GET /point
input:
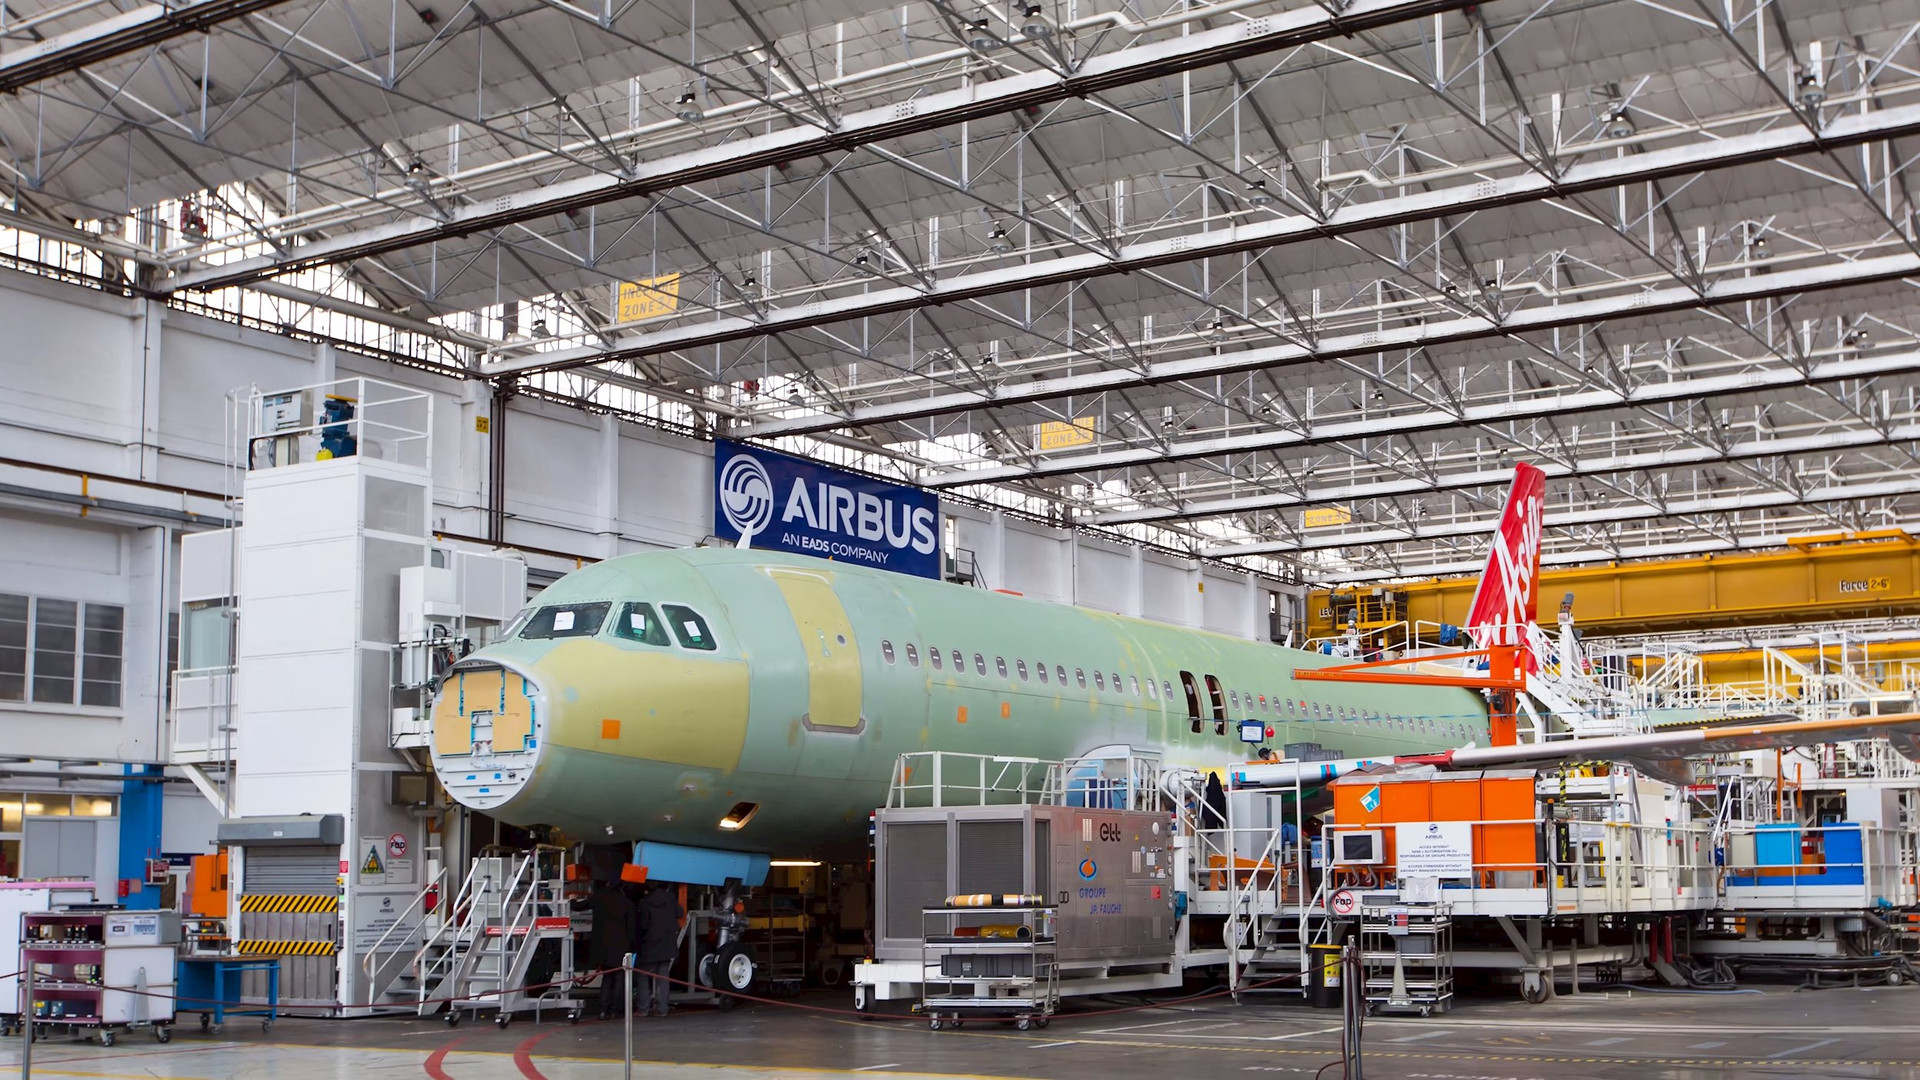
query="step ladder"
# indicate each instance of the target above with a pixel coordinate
(487, 952)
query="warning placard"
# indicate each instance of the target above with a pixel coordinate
(369, 863)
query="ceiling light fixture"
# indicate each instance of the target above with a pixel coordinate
(1812, 93)
(1035, 25)
(998, 240)
(980, 36)
(750, 287)
(1619, 124)
(688, 108)
(1258, 195)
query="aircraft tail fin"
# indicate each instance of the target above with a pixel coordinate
(1506, 602)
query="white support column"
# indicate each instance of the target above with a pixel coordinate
(148, 330)
(1137, 588)
(609, 487)
(994, 570)
(144, 667)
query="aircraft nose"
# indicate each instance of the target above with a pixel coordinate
(485, 737)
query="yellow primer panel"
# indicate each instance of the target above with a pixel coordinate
(672, 706)
(833, 660)
(452, 732)
(490, 691)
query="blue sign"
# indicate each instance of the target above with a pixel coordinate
(1370, 799)
(785, 503)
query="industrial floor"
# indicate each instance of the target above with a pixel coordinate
(1613, 1036)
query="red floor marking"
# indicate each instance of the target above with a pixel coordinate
(438, 1058)
(523, 1056)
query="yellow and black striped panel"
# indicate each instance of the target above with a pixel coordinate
(302, 904)
(285, 948)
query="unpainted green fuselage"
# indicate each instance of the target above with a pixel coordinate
(812, 694)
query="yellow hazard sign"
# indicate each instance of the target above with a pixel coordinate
(373, 864)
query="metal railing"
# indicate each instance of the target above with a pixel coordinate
(406, 925)
(1824, 870)
(1595, 866)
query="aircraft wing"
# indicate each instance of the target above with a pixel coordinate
(1656, 750)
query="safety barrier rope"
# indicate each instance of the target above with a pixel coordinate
(579, 979)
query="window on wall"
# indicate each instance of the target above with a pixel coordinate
(13, 648)
(913, 654)
(1041, 667)
(933, 656)
(886, 650)
(1023, 669)
(980, 664)
(61, 652)
(1000, 665)
(1100, 682)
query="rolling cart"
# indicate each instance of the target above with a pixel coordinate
(210, 986)
(1407, 950)
(989, 963)
(101, 971)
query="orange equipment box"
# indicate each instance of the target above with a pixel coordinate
(1500, 802)
(209, 897)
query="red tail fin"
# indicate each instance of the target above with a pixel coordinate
(1508, 596)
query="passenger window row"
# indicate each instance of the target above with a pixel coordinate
(1222, 702)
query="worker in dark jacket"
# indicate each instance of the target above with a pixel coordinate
(657, 938)
(611, 941)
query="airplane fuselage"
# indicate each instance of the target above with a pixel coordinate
(660, 692)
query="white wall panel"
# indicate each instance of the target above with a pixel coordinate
(1168, 591)
(187, 822)
(71, 365)
(1036, 563)
(665, 488)
(1103, 576)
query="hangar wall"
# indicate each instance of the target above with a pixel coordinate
(116, 418)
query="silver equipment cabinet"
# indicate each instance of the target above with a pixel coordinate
(991, 963)
(1407, 951)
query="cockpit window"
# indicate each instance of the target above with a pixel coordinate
(566, 620)
(689, 627)
(638, 622)
(514, 624)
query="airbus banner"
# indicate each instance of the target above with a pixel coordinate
(786, 503)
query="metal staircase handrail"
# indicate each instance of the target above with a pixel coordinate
(400, 921)
(472, 890)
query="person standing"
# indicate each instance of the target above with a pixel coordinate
(610, 942)
(656, 940)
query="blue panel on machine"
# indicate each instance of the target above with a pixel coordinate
(787, 503)
(699, 866)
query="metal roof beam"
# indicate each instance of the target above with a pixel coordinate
(116, 35)
(1437, 419)
(1713, 504)
(1665, 458)
(1123, 67)
(1278, 231)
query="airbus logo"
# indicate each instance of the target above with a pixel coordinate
(746, 495)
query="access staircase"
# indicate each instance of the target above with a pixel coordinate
(484, 948)
(1251, 876)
